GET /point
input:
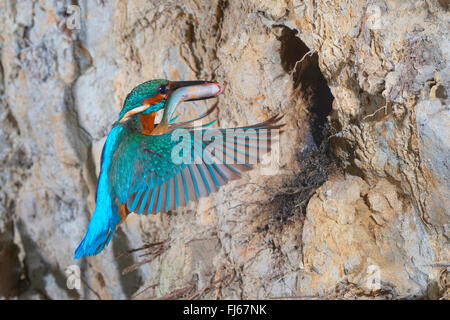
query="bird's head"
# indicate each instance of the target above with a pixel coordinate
(151, 96)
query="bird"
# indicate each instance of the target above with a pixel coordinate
(150, 168)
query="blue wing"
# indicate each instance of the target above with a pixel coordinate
(152, 174)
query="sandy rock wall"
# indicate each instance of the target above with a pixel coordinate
(364, 90)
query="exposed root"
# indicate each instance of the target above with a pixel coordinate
(144, 290)
(188, 292)
(376, 111)
(227, 277)
(308, 54)
(178, 293)
(292, 200)
(154, 250)
(90, 288)
(147, 246)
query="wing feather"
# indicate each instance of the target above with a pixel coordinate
(148, 181)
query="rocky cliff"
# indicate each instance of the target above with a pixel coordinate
(356, 205)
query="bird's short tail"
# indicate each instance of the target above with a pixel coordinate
(96, 239)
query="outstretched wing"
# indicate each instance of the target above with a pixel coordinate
(152, 174)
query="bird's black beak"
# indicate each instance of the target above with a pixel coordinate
(173, 85)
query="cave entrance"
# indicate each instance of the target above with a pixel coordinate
(316, 159)
(303, 63)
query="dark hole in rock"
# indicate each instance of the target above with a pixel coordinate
(445, 4)
(316, 159)
(298, 59)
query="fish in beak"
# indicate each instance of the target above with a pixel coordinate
(214, 89)
(188, 91)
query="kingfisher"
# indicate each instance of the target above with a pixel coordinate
(150, 168)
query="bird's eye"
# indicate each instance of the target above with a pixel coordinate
(163, 89)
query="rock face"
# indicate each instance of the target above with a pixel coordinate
(355, 205)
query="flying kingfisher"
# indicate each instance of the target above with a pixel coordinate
(151, 168)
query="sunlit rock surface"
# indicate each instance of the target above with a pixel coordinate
(364, 90)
